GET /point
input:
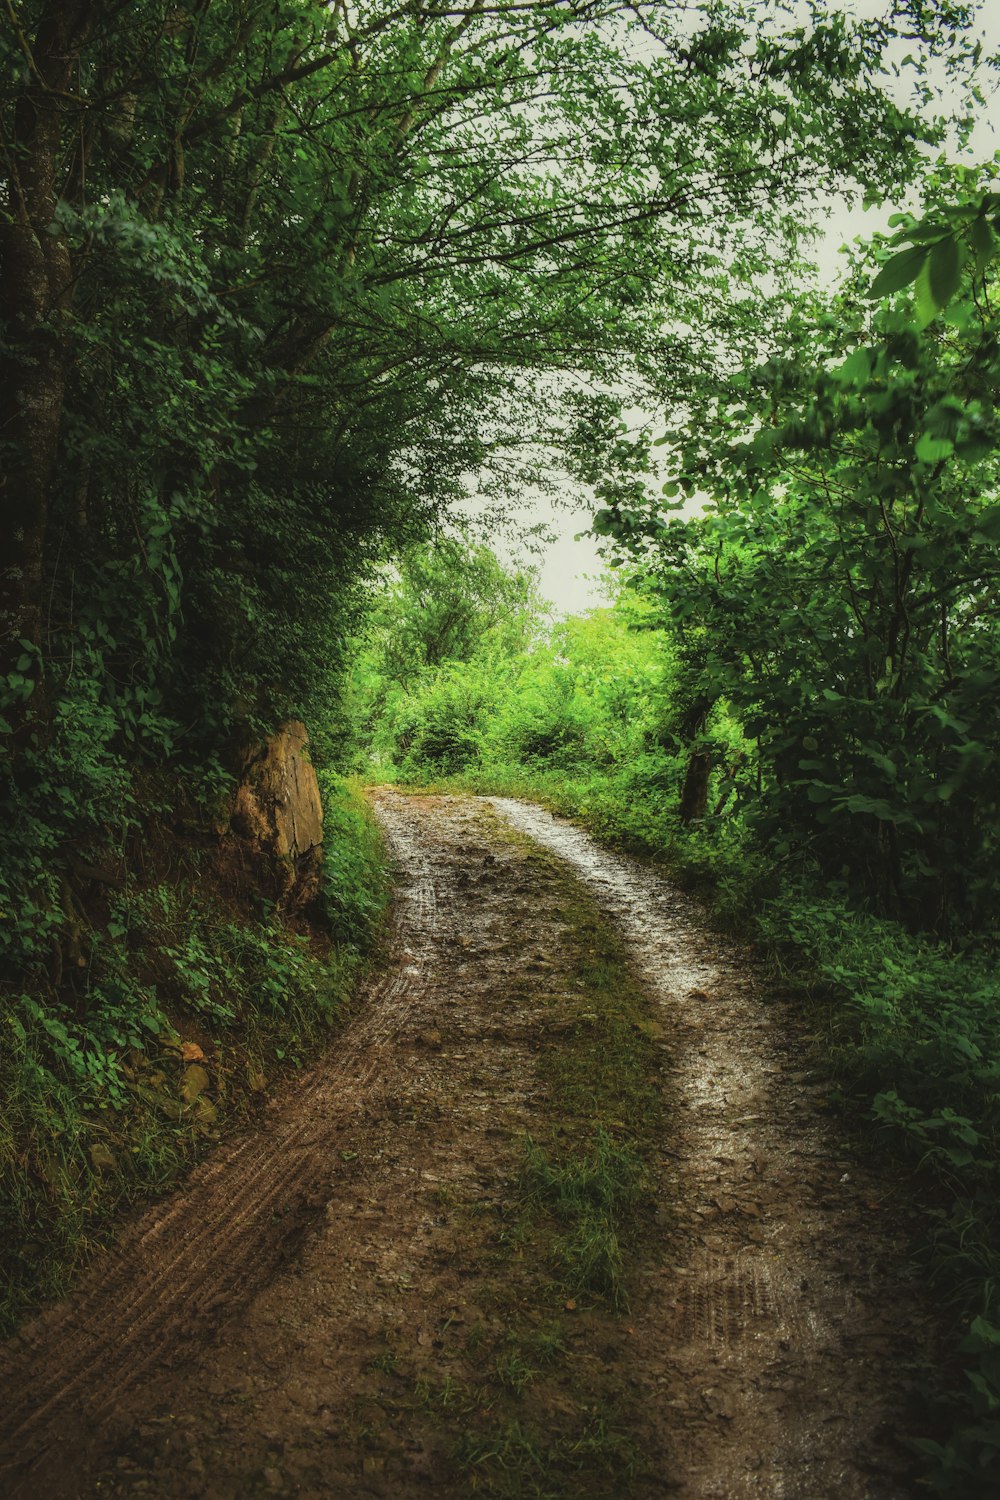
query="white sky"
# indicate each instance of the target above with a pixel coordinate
(571, 571)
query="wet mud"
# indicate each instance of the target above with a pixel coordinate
(308, 1315)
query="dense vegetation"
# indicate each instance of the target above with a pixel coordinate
(278, 278)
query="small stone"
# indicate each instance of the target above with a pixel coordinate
(194, 1082)
(205, 1112)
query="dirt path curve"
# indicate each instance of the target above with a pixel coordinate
(325, 1308)
(790, 1316)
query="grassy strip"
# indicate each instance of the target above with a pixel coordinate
(519, 1460)
(575, 1219)
(590, 1199)
(194, 1002)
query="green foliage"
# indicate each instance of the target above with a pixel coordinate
(582, 696)
(278, 282)
(842, 586)
(919, 1044)
(941, 245)
(438, 731)
(101, 1065)
(450, 601)
(355, 889)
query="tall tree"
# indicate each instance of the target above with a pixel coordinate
(843, 584)
(278, 275)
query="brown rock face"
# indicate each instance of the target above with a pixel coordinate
(277, 809)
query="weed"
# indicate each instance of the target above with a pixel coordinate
(447, 1395)
(515, 1461)
(514, 1372)
(547, 1344)
(387, 1362)
(476, 1337)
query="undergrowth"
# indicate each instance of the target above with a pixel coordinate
(916, 1044)
(192, 999)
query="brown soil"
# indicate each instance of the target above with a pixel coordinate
(339, 1304)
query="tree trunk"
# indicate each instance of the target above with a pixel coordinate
(694, 793)
(35, 290)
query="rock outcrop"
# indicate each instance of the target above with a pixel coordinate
(278, 811)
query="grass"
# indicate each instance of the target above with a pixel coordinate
(581, 1184)
(591, 1199)
(514, 1371)
(518, 1461)
(573, 1217)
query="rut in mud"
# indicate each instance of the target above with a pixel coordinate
(352, 1301)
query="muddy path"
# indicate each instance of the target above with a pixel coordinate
(354, 1301)
(789, 1318)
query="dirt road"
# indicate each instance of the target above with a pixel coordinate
(355, 1300)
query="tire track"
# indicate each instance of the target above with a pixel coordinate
(250, 1203)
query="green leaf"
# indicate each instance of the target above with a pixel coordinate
(984, 243)
(945, 270)
(988, 523)
(982, 1335)
(924, 233)
(898, 272)
(974, 447)
(931, 449)
(856, 369)
(818, 793)
(923, 297)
